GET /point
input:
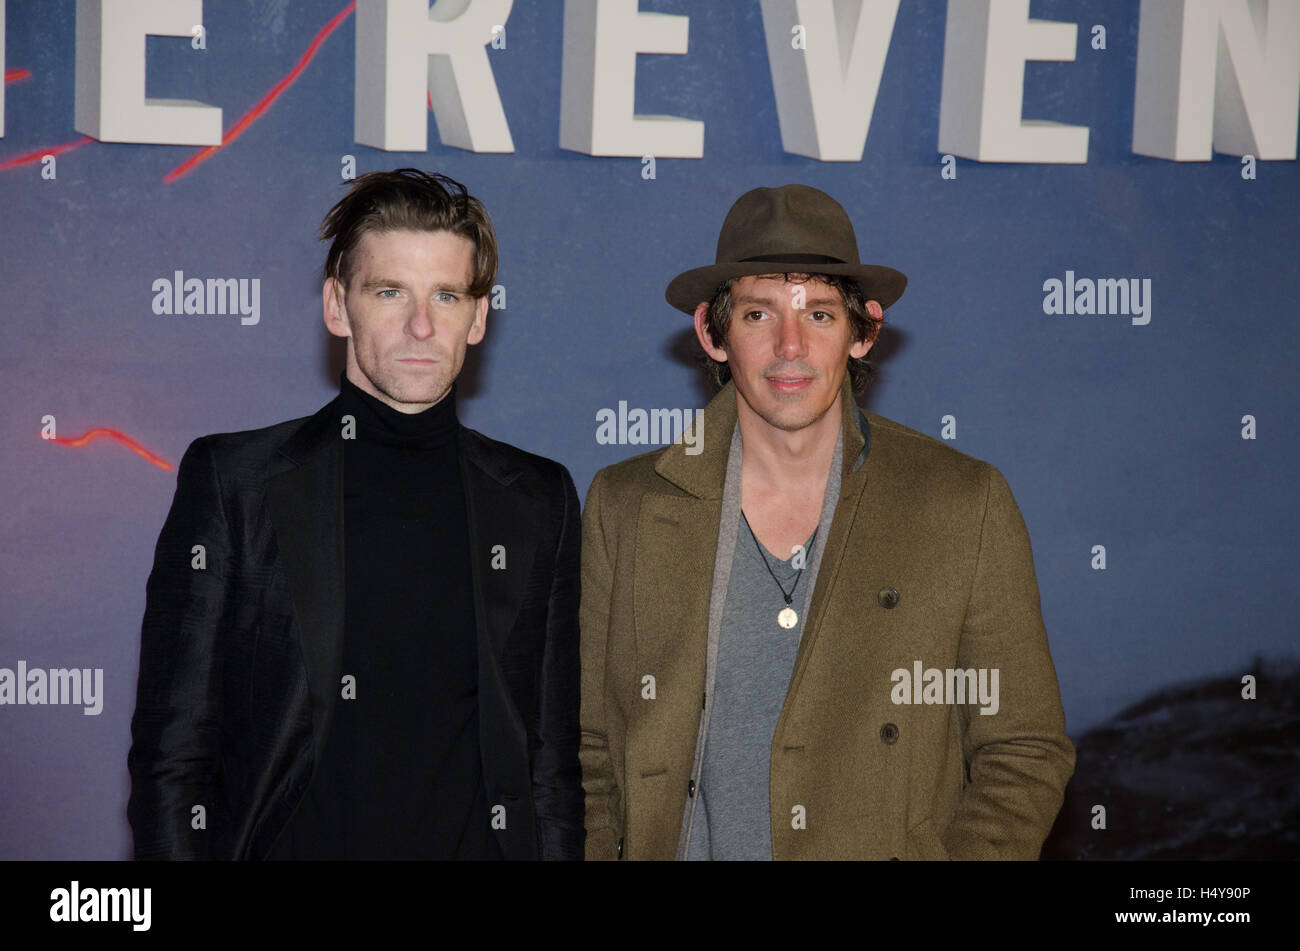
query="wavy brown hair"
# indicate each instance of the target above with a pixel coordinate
(408, 199)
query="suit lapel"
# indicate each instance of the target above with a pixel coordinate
(305, 498)
(503, 534)
(503, 538)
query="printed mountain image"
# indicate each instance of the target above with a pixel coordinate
(1191, 772)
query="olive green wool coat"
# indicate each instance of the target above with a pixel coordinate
(927, 560)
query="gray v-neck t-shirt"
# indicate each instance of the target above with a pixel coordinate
(755, 660)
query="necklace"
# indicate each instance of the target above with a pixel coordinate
(788, 617)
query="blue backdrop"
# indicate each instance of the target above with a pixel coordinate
(1109, 433)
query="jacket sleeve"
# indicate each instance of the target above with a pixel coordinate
(175, 759)
(1018, 759)
(603, 825)
(557, 775)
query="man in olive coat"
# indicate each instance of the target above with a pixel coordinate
(819, 637)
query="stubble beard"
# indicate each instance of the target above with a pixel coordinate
(435, 385)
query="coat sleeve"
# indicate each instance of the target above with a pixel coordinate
(1018, 759)
(598, 780)
(175, 758)
(557, 775)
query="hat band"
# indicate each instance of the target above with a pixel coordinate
(791, 259)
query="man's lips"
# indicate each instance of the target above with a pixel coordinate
(418, 361)
(790, 384)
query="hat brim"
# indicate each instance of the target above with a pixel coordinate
(690, 288)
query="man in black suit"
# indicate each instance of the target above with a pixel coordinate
(361, 634)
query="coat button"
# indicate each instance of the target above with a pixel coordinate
(888, 597)
(889, 734)
(620, 846)
(690, 788)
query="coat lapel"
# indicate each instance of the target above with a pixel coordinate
(503, 533)
(854, 503)
(305, 499)
(677, 540)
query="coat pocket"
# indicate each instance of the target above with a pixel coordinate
(924, 844)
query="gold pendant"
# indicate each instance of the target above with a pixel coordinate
(787, 618)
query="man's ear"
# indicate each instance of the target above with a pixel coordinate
(479, 328)
(861, 348)
(334, 305)
(702, 333)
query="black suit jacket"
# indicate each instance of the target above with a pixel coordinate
(242, 639)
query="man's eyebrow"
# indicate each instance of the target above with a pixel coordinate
(377, 282)
(825, 301)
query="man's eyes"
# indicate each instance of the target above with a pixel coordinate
(392, 293)
(817, 316)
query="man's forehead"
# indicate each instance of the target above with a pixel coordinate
(418, 249)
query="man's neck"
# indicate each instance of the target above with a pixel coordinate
(776, 458)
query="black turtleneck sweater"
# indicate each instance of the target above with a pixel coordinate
(401, 775)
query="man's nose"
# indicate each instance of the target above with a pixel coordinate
(420, 323)
(790, 339)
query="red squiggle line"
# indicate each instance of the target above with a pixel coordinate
(13, 76)
(29, 157)
(124, 439)
(256, 112)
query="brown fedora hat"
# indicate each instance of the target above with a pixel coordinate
(786, 230)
